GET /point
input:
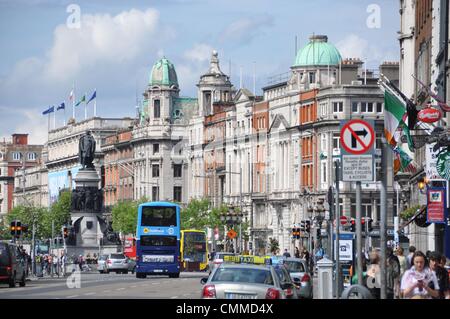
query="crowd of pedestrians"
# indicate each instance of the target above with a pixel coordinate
(416, 276)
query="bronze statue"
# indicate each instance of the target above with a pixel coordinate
(87, 150)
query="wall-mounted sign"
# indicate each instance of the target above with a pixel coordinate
(429, 115)
(436, 205)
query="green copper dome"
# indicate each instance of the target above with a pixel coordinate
(163, 73)
(318, 52)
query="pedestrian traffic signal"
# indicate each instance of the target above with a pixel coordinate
(308, 226)
(353, 225)
(65, 232)
(302, 226)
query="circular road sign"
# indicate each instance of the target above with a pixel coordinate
(344, 220)
(231, 234)
(357, 137)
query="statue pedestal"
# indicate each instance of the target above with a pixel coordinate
(87, 178)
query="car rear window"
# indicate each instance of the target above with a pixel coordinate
(118, 256)
(103, 257)
(4, 255)
(244, 275)
(294, 266)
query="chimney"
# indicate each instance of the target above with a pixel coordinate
(20, 139)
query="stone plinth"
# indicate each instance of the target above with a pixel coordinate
(87, 178)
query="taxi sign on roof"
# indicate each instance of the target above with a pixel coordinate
(246, 259)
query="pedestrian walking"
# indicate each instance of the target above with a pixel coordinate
(392, 273)
(403, 267)
(373, 275)
(417, 280)
(80, 262)
(286, 253)
(55, 263)
(63, 264)
(297, 252)
(441, 275)
(412, 250)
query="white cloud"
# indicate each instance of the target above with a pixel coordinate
(199, 53)
(107, 52)
(354, 46)
(244, 30)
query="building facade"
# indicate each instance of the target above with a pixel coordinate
(15, 155)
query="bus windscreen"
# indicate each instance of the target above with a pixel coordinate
(158, 241)
(159, 216)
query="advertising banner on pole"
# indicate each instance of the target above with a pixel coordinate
(436, 205)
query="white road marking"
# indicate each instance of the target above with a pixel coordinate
(173, 297)
(90, 293)
(120, 289)
(133, 286)
(155, 283)
(74, 296)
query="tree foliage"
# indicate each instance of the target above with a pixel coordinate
(59, 213)
(124, 215)
(198, 215)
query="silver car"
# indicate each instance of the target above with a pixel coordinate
(244, 281)
(101, 264)
(117, 263)
(299, 272)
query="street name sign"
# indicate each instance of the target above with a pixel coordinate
(357, 139)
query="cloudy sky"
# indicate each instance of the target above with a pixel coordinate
(45, 49)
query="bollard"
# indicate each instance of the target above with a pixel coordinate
(325, 278)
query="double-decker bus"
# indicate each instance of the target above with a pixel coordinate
(158, 240)
(193, 249)
(130, 247)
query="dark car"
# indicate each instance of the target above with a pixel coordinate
(12, 265)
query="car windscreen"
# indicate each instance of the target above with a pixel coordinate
(118, 256)
(244, 275)
(158, 241)
(294, 266)
(4, 255)
(159, 216)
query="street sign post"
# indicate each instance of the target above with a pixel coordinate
(357, 153)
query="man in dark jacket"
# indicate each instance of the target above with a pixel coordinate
(441, 274)
(393, 272)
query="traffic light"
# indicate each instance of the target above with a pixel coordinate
(302, 226)
(18, 228)
(294, 233)
(12, 228)
(308, 226)
(297, 235)
(353, 225)
(65, 232)
(369, 224)
(25, 229)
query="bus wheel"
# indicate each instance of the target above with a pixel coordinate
(139, 275)
(176, 275)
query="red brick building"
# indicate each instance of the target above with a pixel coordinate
(14, 155)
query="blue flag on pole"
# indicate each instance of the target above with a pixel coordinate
(94, 95)
(49, 110)
(62, 106)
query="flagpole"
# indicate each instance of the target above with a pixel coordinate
(64, 120)
(95, 103)
(54, 120)
(73, 101)
(85, 107)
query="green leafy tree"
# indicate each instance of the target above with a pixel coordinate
(124, 217)
(274, 245)
(198, 215)
(26, 214)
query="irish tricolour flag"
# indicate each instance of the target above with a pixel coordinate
(394, 111)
